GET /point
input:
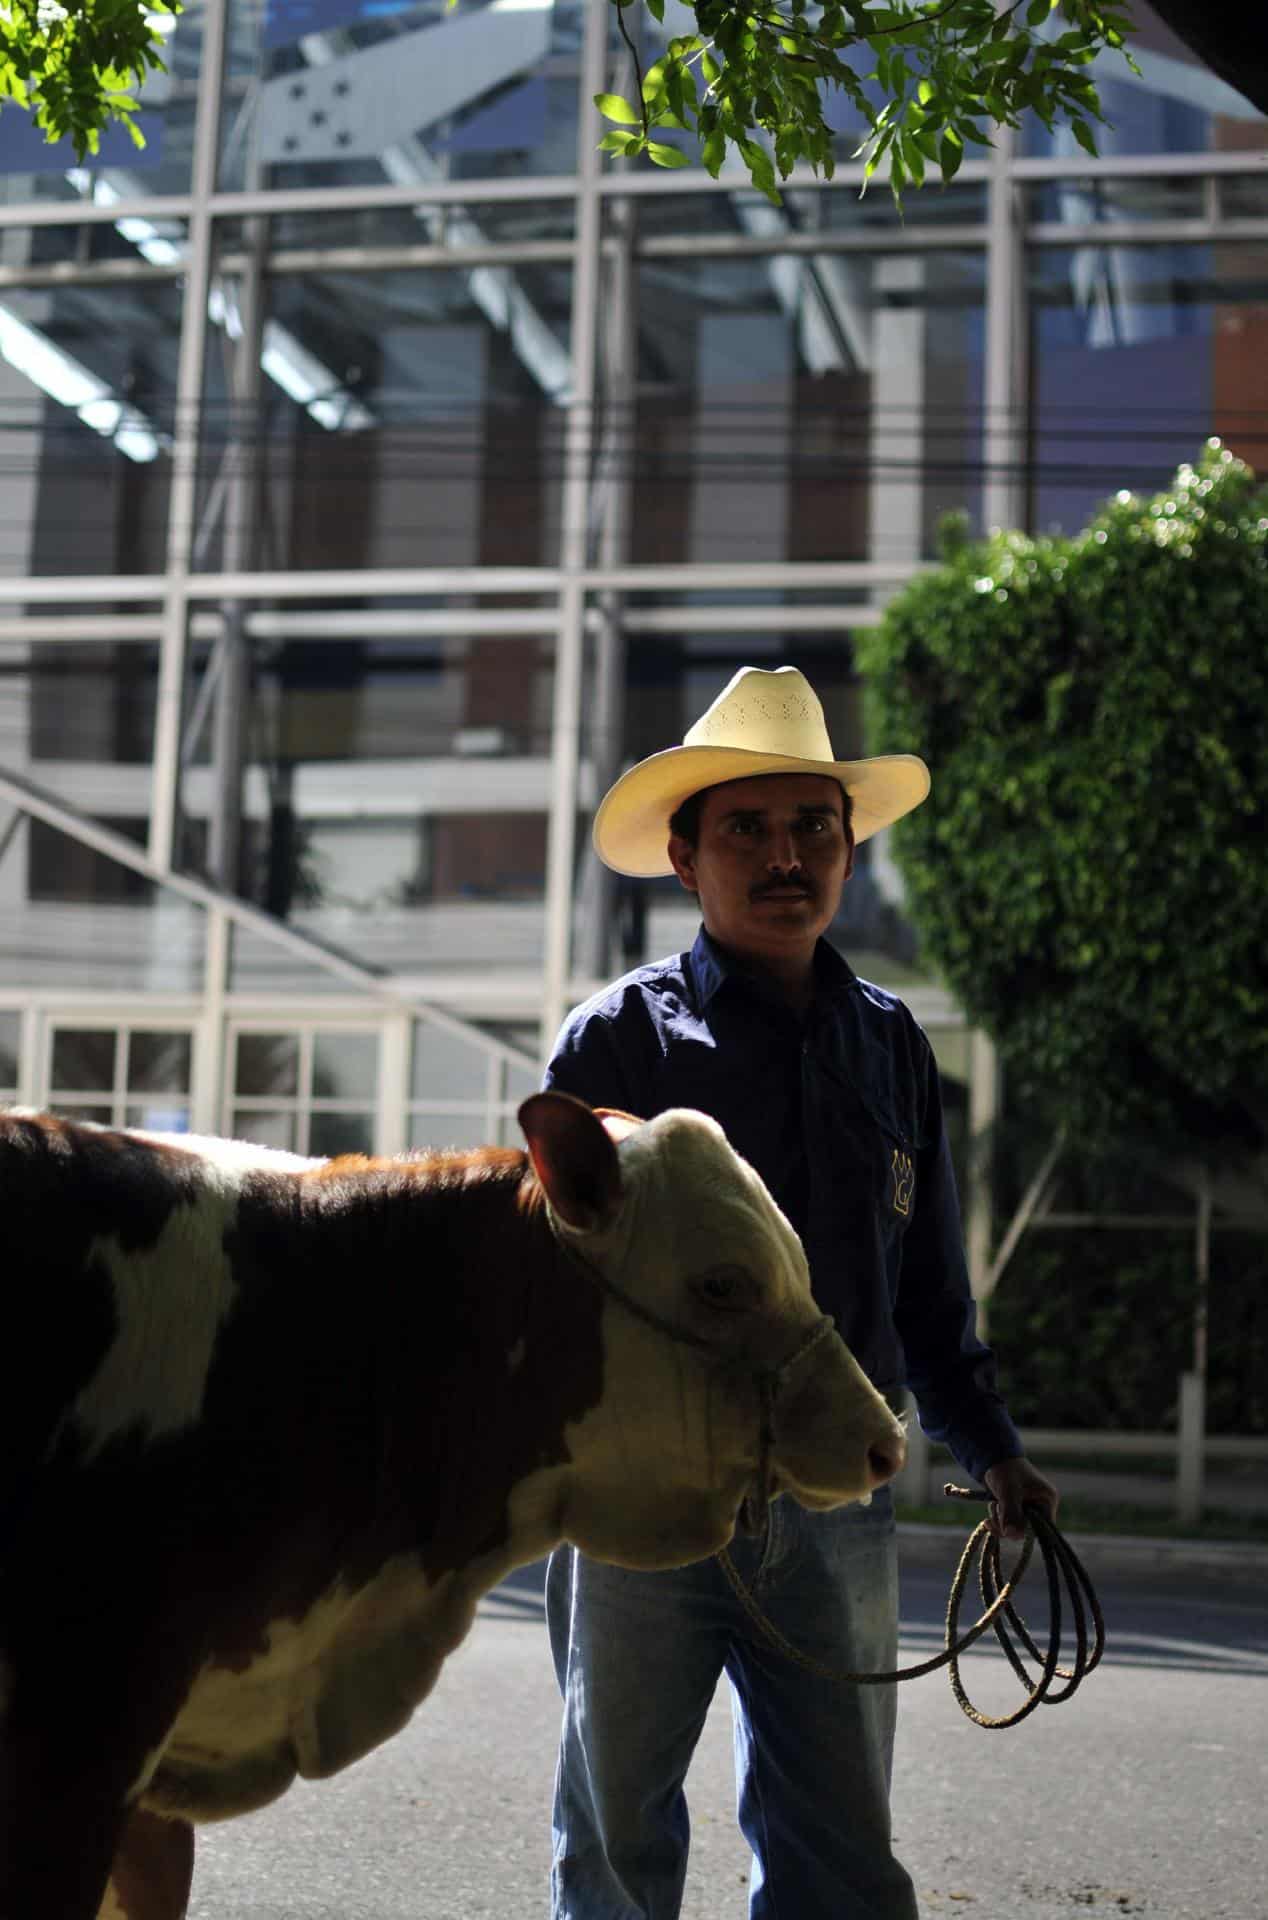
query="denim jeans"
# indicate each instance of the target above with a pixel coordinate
(639, 1655)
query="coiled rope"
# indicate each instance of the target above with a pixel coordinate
(1063, 1568)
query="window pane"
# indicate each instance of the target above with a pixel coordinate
(406, 423)
(332, 1133)
(98, 473)
(158, 1062)
(268, 1063)
(794, 408)
(83, 1060)
(266, 1129)
(102, 1116)
(1140, 353)
(445, 1065)
(10, 1044)
(442, 1131)
(158, 1119)
(520, 1082)
(346, 93)
(345, 1067)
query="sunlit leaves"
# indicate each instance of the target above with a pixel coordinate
(75, 64)
(922, 78)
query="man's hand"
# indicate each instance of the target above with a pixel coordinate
(1015, 1485)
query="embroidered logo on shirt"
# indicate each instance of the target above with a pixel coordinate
(904, 1181)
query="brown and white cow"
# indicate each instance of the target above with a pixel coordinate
(270, 1428)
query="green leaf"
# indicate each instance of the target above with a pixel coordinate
(666, 156)
(950, 154)
(612, 107)
(1083, 134)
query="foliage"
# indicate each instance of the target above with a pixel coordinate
(1088, 873)
(926, 78)
(74, 63)
(1094, 1326)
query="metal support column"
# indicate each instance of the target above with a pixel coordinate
(1003, 492)
(574, 543)
(615, 483)
(224, 834)
(165, 784)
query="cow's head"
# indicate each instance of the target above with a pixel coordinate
(666, 1214)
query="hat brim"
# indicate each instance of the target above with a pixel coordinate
(631, 827)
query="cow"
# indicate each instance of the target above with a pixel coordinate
(274, 1426)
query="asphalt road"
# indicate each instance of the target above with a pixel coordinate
(1145, 1795)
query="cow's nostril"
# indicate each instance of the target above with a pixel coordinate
(884, 1462)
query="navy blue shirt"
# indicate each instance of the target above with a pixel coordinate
(841, 1114)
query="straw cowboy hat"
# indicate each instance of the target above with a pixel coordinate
(760, 723)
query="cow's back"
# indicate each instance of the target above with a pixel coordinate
(77, 1205)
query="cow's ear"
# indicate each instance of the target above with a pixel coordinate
(574, 1159)
(617, 1124)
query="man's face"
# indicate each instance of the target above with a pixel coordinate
(771, 859)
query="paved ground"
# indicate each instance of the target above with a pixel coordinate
(1143, 1796)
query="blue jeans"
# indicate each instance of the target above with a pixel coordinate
(639, 1655)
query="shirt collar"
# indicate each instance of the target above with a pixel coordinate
(712, 965)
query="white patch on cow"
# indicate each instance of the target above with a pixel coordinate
(110, 1908)
(170, 1302)
(233, 1155)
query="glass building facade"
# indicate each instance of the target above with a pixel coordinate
(383, 469)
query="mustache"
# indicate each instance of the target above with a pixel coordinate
(771, 889)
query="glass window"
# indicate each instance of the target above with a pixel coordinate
(153, 1118)
(1173, 105)
(447, 1067)
(87, 702)
(267, 1064)
(1083, 202)
(822, 407)
(445, 1132)
(355, 92)
(31, 170)
(833, 209)
(265, 1128)
(1243, 196)
(84, 1060)
(345, 1067)
(1138, 354)
(10, 1050)
(406, 418)
(312, 1091)
(90, 386)
(330, 1134)
(159, 1062)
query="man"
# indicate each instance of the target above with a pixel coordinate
(828, 1087)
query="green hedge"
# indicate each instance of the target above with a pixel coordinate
(1088, 874)
(1092, 1328)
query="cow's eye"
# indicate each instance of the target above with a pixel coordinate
(727, 1287)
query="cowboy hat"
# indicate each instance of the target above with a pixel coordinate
(760, 723)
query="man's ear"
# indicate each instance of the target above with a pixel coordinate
(849, 855)
(574, 1158)
(682, 857)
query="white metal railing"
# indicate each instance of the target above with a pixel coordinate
(1188, 1492)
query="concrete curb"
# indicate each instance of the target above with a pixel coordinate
(1233, 1561)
